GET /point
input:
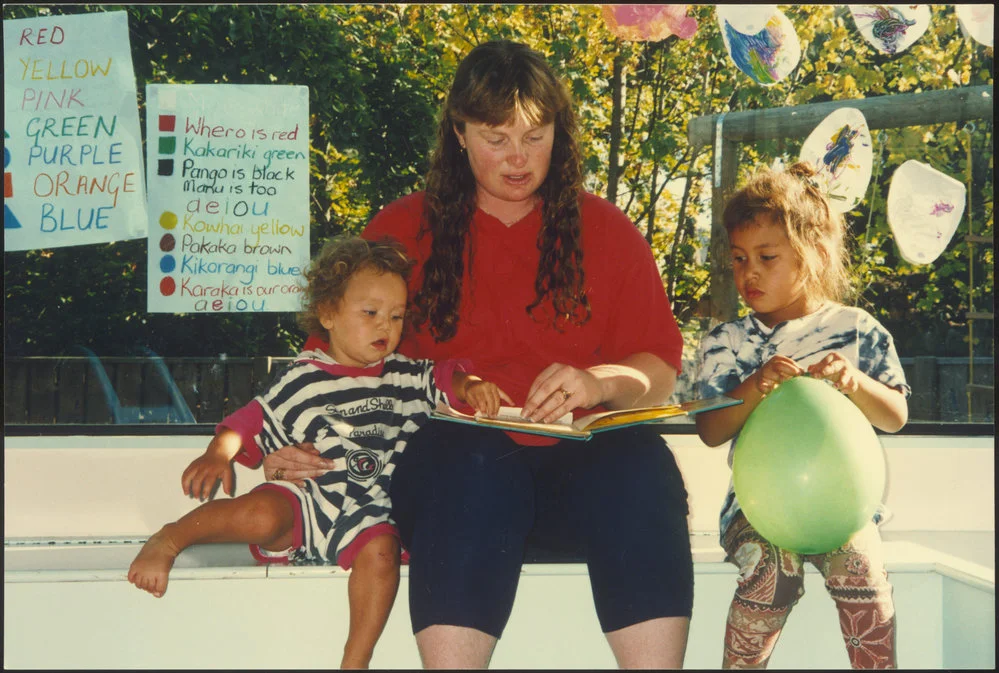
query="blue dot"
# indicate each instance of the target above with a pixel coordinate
(168, 264)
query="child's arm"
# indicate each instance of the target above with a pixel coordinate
(482, 395)
(204, 472)
(884, 407)
(721, 425)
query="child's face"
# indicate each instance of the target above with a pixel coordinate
(366, 324)
(768, 273)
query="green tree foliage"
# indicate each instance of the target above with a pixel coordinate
(377, 75)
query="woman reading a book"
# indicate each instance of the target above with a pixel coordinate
(554, 295)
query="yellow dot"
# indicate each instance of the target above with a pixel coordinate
(168, 220)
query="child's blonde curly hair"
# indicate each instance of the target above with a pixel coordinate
(340, 258)
(791, 200)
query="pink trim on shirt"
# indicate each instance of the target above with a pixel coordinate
(444, 378)
(247, 421)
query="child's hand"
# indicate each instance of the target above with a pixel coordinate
(485, 397)
(201, 476)
(775, 371)
(837, 369)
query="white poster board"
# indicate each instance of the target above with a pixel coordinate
(228, 182)
(72, 149)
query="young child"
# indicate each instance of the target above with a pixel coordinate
(358, 403)
(791, 266)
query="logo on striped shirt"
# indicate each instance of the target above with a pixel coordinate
(362, 464)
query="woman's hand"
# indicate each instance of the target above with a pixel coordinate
(559, 389)
(775, 371)
(296, 464)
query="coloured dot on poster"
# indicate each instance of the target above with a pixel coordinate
(168, 122)
(168, 144)
(168, 220)
(167, 243)
(168, 286)
(164, 167)
(168, 264)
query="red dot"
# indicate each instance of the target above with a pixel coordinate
(168, 122)
(167, 286)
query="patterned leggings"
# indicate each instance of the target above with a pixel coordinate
(772, 580)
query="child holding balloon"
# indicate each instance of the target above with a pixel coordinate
(790, 263)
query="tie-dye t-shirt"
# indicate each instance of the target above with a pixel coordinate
(732, 351)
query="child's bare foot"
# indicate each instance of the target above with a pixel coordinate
(150, 569)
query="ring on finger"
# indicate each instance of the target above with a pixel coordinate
(565, 394)
(279, 473)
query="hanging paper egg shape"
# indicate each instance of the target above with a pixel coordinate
(839, 149)
(747, 19)
(768, 56)
(891, 28)
(977, 22)
(924, 208)
(649, 23)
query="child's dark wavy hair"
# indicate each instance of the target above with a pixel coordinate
(340, 258)
(792, 200)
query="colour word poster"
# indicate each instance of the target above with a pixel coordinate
(228, 190)
(72, 160)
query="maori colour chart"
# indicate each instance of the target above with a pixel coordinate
(228, 189)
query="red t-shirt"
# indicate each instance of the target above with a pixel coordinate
(630, 312)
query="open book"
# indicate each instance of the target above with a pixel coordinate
(583, 428)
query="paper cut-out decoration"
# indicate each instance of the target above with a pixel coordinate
(924, 208)
(977, 22)
(747, 19)
(768, 56)
(839, 149)
(891, 28)
(649, 23)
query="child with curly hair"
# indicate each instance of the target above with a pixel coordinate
(358, 402)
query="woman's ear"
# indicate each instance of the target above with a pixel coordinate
(459, 135)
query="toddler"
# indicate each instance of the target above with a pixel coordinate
(358, 402)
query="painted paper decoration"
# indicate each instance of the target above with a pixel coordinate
(924, 209)
(977, 22)
(747, 19)
(768, 56)
(649, 22)
(891, 28)
(840, 151)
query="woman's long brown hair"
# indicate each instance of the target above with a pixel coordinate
(496, 81)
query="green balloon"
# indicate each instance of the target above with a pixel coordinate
(808, 468)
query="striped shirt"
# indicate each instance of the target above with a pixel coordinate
(360, 418)
(733, 351)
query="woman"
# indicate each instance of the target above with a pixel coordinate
(555, 296)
